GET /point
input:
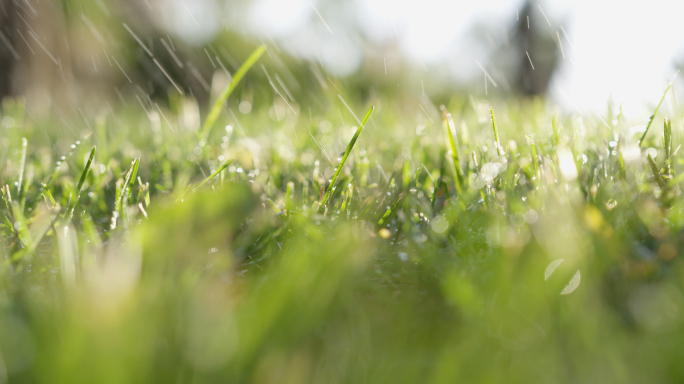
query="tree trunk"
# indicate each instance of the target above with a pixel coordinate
(8, 54)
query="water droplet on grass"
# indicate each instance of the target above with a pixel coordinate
(476, 181)
(489, 172)
(531, 216)
(245, 107)
(439, 224)
(7, 122)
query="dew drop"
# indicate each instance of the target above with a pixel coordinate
(439, 224)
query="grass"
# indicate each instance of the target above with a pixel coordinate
(343, 159)
(221, 100)
(549, 252)
(650, 120)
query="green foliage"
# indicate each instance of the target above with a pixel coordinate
(546, 249)
(221, 100)
(343, 159)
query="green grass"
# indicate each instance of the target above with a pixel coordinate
(536, 247)
(221, 100)
(331, 187)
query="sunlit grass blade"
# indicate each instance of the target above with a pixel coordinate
(656, 173)
(6, 220)
(448, 124)
(535, 158)
(22, 167)
(289, 197)
(650, 120)
(439, 182)
(47, 196)
(406, 175)
(7, 198)
(91, 231)
(122, 197)
(131, 180)
(219, 170)
(392, 209)
(347, 151)
(21, 227)
(81, 181)
(621, 161)
(216, 108)
(667, 145)
(499, 149)
(346, 204)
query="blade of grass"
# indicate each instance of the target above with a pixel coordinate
(91, 231)
(22, 166)
(22, 230)
(131, 181)
(216, 108)
(70, 211)
(667, 144)
(650, 120)
(289, 197)
(221, 168)
(448, 123)
(123, 195)
(347, 151)
(439, 182)
(346, 205)
(406, 175)
(535, 158)
(499, 149)
(47, 195)
(621, 161)
(391, 210)
(656, 173)
(7, 198)
(7, 221)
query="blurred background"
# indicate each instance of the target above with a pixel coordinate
(579, 53)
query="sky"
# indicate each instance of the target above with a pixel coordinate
(619, 49)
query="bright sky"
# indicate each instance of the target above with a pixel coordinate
(623, 49)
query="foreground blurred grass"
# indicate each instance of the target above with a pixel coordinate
(402, 279)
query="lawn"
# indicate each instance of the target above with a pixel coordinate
(369, 239)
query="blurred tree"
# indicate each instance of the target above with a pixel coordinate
(8, 54)
(537, 52)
